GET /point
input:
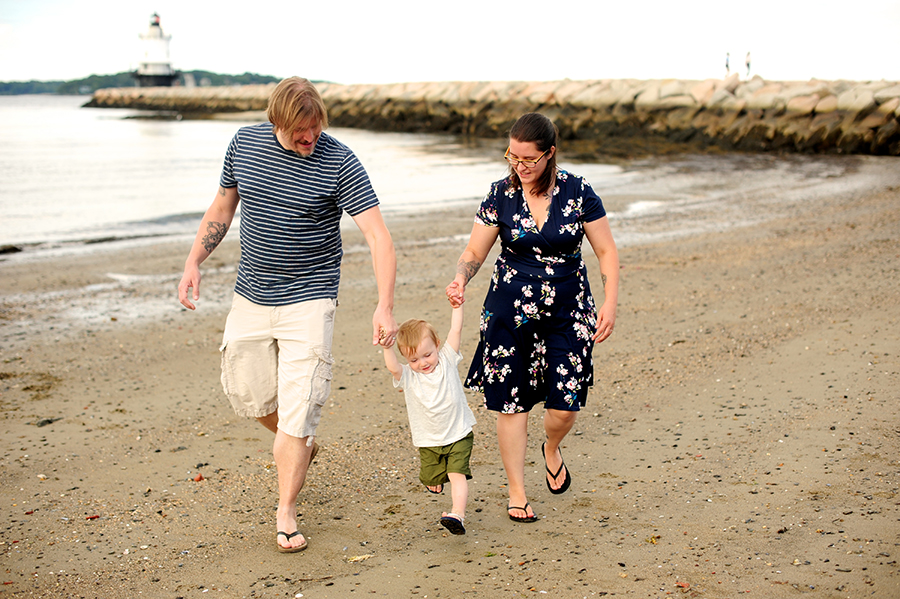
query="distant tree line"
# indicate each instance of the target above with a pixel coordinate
(12, 88)
(89, 85)
(94, 82)
(205, 78)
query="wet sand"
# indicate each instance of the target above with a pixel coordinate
(742, 437)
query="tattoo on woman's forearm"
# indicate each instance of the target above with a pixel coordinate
(215, 232)
(603, 279)
(468, 269)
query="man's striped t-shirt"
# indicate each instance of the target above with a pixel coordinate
(290, 214)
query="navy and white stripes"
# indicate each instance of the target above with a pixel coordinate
(290, 214)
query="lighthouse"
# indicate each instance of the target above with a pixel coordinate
(154, 68)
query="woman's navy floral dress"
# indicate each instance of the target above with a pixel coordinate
(539, 314)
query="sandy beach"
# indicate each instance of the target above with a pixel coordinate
(742, 438)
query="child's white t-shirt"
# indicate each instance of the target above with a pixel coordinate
(436, 403)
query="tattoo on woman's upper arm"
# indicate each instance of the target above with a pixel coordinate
(215, 232)
(468, 269)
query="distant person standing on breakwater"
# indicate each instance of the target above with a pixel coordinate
(293, 182)
(747, 62)
(727, 63)
(539, 322)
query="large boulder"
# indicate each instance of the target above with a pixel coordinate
(856, 100)
(827, 104)
(673, 87)
(764, 97)
(886, 93)
(802, 105)
(648, 98)
(748, 88)
(731, 83)
(703, 91)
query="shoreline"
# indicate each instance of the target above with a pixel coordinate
(642, 196)
(741, 437)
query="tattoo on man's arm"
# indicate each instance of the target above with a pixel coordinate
(215, 232)
(468, 269)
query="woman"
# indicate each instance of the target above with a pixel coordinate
(539, 322)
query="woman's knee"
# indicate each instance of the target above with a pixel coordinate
(561, 418)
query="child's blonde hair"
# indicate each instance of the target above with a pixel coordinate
(412, 332)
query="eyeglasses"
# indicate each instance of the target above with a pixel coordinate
(528, 163)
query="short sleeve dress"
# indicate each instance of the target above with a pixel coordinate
(539, 315)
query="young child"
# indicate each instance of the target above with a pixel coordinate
(439, 417)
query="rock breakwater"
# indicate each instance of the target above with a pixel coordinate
(754, 115)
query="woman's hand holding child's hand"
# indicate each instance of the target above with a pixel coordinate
(456, 294)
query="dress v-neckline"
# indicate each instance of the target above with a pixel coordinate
(540, 227)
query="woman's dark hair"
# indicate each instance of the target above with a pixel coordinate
(538, 129)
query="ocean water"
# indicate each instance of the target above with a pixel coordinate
(72, 175)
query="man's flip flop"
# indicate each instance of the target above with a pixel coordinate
(453, 523)
(568, 479)
(435, 492)
(526, 518)
(287, 536)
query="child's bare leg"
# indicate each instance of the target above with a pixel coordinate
(459, 492)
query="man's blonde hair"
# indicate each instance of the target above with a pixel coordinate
(412, 332)
(295, 103)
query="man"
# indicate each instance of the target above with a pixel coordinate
(293, 182)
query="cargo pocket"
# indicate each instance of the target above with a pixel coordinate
(320, 387)
(227, 371)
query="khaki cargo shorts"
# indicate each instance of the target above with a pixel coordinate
(279, 358)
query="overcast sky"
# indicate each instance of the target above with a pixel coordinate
(354, 41)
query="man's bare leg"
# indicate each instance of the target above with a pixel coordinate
(292, 461)
(270, 421)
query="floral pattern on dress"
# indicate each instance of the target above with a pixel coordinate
(550, 261)
(573, 209)
(539, 315)
(548, 293)
(585, 315)
(524, 224)
(525, 309)
(570, 378)
(503, 272)
(494, 367)
(538, 362)
(485, 320)
(511, 406)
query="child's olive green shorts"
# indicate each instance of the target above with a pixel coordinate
(436, 462)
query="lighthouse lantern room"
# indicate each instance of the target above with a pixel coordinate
(155, 69)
